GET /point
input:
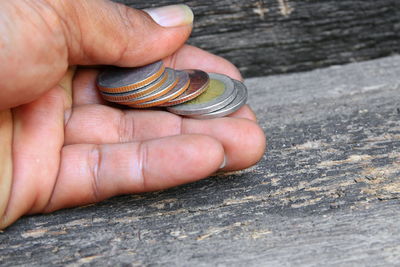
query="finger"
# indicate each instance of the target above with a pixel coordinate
(62, 33)
(190, 57)
(84, 88)
(104, 171)
(244, 112)
(37, 138)
(242, 139)
(6, 164)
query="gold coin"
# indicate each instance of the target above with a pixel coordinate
(220, 93)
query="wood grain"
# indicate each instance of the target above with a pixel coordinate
(327, 192)
(280, 36)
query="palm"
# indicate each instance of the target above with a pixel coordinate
(100, 151)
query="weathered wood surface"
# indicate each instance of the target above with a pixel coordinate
(278, 36)
(326, 193)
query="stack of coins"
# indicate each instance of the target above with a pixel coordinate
(191, 93)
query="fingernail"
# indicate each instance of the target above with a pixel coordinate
(171, 16)
(223, 165)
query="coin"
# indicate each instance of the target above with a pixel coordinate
(181, 86)
(219, 94)
(131, 95)
(237, 103)
(119, 80)
(169, 84)
(199, 81)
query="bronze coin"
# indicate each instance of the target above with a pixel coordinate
(162, 90)
(131, 95)
(199, 82)
(180, 88)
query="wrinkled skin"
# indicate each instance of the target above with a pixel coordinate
(62, 146)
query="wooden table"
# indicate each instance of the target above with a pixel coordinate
(266, 37)
(325, 193)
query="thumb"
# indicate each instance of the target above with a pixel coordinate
(44, 37)
(103, 32)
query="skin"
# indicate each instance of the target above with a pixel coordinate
(61, 146)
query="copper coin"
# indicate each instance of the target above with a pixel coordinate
(119, 80)
(180, 88)
(162, 90)
(199, 82)
(131, 95)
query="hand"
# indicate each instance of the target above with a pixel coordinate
(61, 146)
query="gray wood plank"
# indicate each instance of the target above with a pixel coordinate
(279, 36)
(327, 192)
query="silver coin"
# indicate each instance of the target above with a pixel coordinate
(162, 90)
(180, 87)
(237, 103)
(126, 77)
(219, 94)
(133, 94)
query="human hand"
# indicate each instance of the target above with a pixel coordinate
(61, 146)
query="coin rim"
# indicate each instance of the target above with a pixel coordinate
(157, 93)
(181, 100)
(126, 96)
(217, 103)
(133, 86)
(158, 102)
(229, 109)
